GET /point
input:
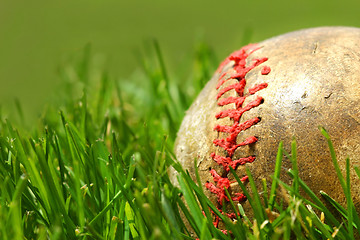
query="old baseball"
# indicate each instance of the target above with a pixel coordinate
(275, 90)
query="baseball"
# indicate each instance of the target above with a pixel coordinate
(272, 91)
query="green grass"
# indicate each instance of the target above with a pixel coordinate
(95, 166)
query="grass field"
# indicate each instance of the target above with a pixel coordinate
(95, 166)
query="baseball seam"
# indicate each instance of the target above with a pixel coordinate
(229, 144)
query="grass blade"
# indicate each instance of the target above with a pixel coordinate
(276, 176)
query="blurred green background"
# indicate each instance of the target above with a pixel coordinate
(37, 36)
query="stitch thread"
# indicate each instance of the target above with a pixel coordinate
(230, 144)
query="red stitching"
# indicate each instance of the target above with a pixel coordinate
(266, 70)
(221, 184)
(236, 113)
(229, 144)
(227, 162)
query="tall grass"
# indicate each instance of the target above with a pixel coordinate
(96, 165)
